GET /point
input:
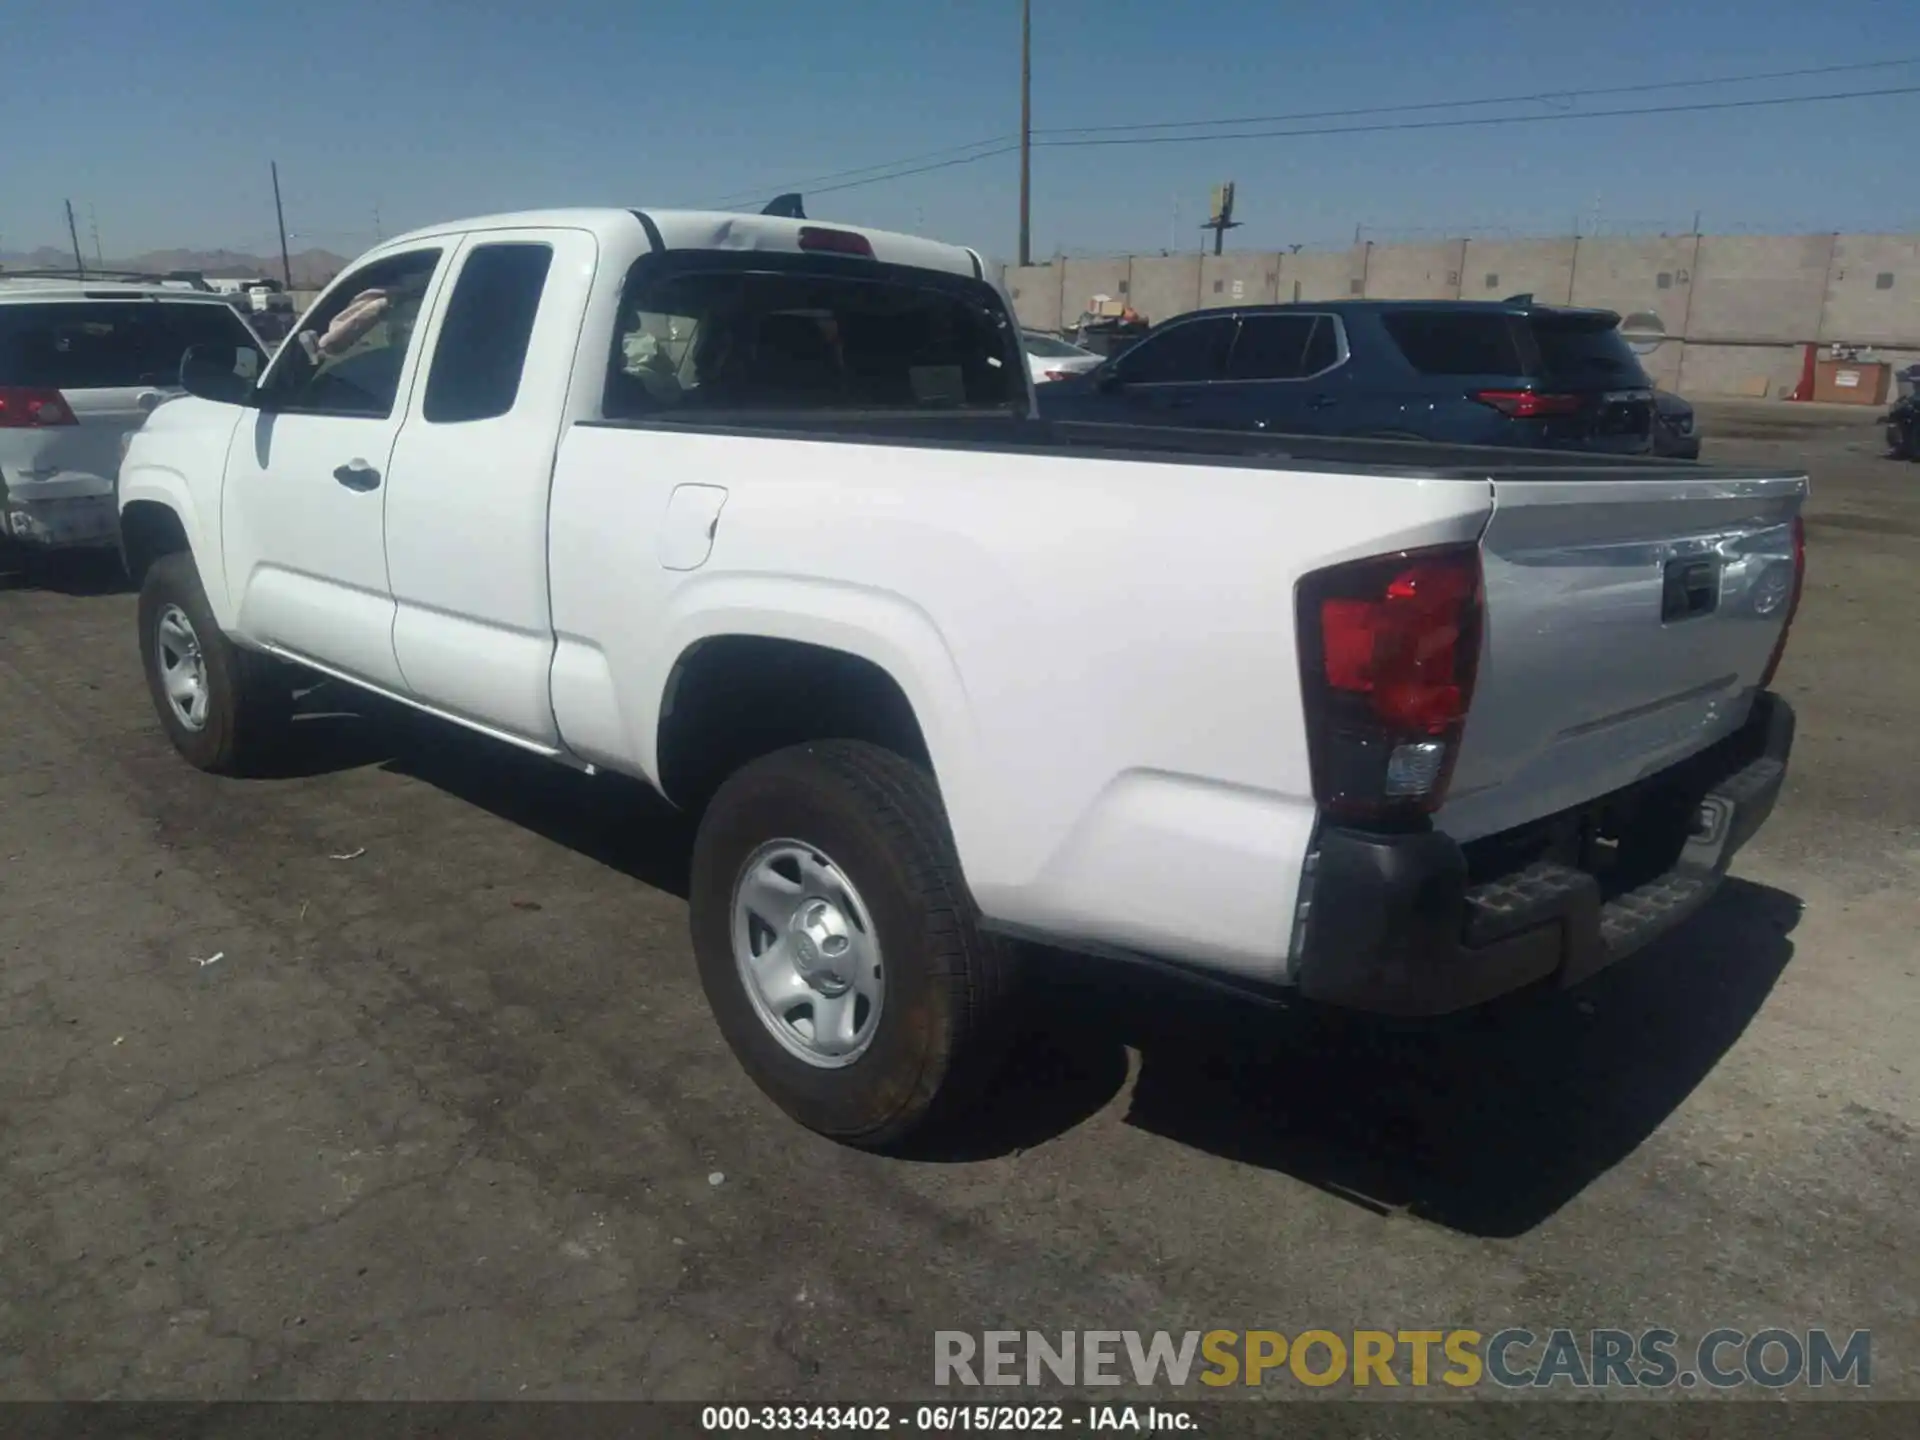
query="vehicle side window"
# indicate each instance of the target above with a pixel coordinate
(1272, 347)
(1438, 342)
(788, 338)
(347, 357)
(110, 344)
(484, 336)
(1193, 351)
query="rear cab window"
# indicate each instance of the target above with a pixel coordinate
(702, 335)
(110, 344)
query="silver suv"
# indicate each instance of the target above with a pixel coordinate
(83, 362)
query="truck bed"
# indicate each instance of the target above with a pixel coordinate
(1013, 434)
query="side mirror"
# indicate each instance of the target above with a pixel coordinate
(220, 372)
(1107, 378)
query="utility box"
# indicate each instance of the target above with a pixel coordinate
(1850, 382)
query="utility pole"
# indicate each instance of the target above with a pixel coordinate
(1026, 132)
(93, 227)
(73, 233)
(286, 264)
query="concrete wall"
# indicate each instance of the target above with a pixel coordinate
(1752, 288)
(1413, 272)
(1873, 290)
(1238, 279)
(1162, 286)
(1318, 275)
(1035, 292)
(1760, 372)
(1736, 311)
(1081, 280)
(1653, 276)
(1495, 269)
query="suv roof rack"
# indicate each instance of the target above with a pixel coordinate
(107, 273)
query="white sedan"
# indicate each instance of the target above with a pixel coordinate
(1052, 359)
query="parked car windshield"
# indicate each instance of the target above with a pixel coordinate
(721, 340)
(109, 344)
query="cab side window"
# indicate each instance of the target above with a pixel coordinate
(482, 347)
(347, 358)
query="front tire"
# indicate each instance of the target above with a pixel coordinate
(225, 709)
(837, 944)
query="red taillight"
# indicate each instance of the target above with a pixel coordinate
(1528, 404)
(1056, 375)
(24, 408)
(1388, 650)
(835, 242)
(1793, 600)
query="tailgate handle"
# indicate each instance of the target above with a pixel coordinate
(1691, 587)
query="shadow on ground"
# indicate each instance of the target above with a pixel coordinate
(78, 573)
(1486, 1123)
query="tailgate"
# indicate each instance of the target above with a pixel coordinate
(1630, 618)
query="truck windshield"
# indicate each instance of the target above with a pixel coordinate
(788, 337)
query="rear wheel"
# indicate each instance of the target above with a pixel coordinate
(838, 946)
(224, 708)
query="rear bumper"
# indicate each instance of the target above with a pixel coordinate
(1398, 925)
(64, 523)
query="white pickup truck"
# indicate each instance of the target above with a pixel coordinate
(759, 511)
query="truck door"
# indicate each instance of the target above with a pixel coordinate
(467, 500)
(303, 514)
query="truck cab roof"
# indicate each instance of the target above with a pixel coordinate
(712, 230)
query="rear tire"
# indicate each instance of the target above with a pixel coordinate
(225, 709)
(926, 993)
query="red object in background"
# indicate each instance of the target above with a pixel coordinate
(1804, 390)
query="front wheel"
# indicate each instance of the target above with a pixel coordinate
(838, 946)
(223, 708)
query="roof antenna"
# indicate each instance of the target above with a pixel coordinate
(786, 206)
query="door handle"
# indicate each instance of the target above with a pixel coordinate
(1324, 402)
(358, 475)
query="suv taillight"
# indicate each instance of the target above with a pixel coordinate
(1388, 651)
(1793, 600)
(1528, 404)
(30, 408)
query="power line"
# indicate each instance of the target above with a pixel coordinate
(804, 185)
(1009, 147)
(989, 149)
(1542, 97)
(1692, 108)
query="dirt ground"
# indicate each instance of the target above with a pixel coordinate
(393, 1078)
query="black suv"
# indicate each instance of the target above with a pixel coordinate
(1463, 372)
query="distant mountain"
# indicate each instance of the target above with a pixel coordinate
(311, 268)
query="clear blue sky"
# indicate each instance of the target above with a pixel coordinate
(161, 118)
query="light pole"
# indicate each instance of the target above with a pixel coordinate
(1026, 132)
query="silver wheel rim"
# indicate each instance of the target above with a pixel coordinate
(807, 952)
(183, 669)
